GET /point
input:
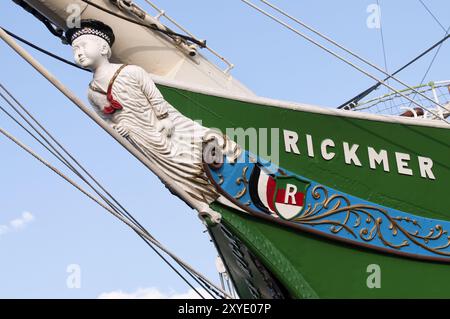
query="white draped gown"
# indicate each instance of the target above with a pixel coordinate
(180, 155)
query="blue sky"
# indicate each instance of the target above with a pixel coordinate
(53, 226)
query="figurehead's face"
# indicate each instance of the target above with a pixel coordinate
(90, 51)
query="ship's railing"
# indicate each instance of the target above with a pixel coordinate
(160, 13)
(395, 104)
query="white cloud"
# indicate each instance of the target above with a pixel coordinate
(152, 293)
(17, 223)
(27, 217)
(3, 229)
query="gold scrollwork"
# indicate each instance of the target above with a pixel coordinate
(242, 180)
(323, 210)
(221, 179)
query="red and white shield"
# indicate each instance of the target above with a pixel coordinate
(289, 200)
(280, 196)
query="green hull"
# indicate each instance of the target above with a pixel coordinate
(302, 265)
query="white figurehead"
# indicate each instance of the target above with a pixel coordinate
(126, 97)
(92, 50)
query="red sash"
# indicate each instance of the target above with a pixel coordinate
(113, 105)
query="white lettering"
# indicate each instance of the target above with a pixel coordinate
(350, 154)
(425, 165)
(291, 190)
(402, 163)
(290, 141)
(323, 148)
(378, 158)
(309, 144)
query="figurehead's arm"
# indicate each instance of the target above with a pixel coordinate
(150, 90)
(97, 108)
(155, 99)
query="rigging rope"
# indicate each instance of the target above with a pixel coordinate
(354, 101)
(368, 91)
(440, 46)
(434, 58)
(434, 17)
(80, 176)
(336, 55)
(50, 147)
(347, 105)
(167, 32)
(200, 279)
(328, 39)
(382, 39)
(114, 213)
(34, 46)
(432, 61)
(383, 45)
(207, 109)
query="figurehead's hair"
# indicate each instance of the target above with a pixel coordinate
(91, 27)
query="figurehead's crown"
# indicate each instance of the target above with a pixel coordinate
(92, 27)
